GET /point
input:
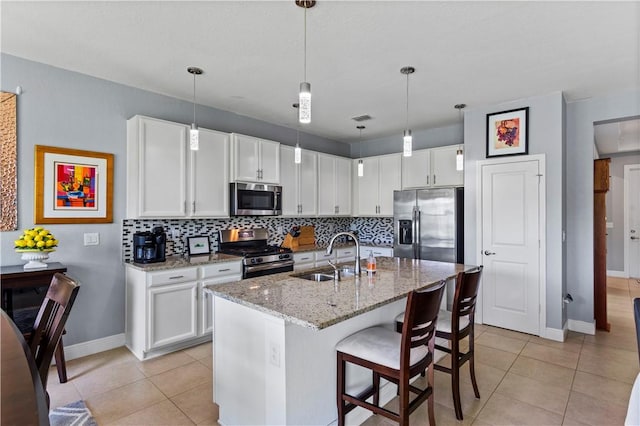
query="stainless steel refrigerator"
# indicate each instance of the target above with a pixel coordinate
(428, 224)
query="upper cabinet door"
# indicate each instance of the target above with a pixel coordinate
(156, 168)
(368, 186)
(209, 176)
(326, 185)
(389, 178)
(288, 174)
(343, 186)
(246, 158)
(308, 181)
(443, 167)
(416, 170)
(269, 162)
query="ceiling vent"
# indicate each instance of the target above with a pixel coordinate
(360, 118)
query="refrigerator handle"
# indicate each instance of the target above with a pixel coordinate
(416, 232)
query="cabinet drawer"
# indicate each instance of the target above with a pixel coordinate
(221, 269)
(377, 251)
(306, 257)
(322, 255)
(346, 252)
(171, 276)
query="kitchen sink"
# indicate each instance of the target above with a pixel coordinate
(325, 274)
(314, 276)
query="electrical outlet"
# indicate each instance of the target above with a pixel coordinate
(91, 239)
(274, 354)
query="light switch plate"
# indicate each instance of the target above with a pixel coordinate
(91, 239)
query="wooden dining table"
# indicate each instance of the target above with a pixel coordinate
(22, 396)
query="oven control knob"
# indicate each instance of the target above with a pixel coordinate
(284, 256)
(258, 260)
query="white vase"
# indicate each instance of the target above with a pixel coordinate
(35, 258)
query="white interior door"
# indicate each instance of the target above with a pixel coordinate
(632, 213)
(511, 246)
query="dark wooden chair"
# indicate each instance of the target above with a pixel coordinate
(394, 357)
(50, 322)
(454, 326)
(636, 316)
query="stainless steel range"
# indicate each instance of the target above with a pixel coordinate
(259, 257)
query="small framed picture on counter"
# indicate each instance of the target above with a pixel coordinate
(198, 245)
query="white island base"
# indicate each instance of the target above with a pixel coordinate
(268, 371)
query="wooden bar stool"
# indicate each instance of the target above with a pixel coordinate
(394, 357)
(454, 326)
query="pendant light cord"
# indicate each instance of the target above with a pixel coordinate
(194, 98)
(360, 143)
(305, 43)
(407, 124)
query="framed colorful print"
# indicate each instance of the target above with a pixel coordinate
(198, 245)
(73, 186)
(507, 133)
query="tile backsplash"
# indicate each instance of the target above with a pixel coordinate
(369, 230)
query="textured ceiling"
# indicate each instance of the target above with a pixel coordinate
(252, 53)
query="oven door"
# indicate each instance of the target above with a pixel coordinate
(255, 199)
(267, 269)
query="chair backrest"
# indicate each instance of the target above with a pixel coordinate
(50, 322)
(464, 299)
(420, 317)
(636, 316)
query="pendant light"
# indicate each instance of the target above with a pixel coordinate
(407, 139)
(194, 136)
(304, 96)
(360, 163)
(459, 153)
(297, 152)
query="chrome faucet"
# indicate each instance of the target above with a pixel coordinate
(354, 238)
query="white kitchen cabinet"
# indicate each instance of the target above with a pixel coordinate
(299, 182)
(217, 273)
(304, 260)
(375, 189)
(433, 167)
(443, 167)
(169, 310)
(165, 179)
(334, 185)
(322, 258)
(254, 159)
(377, 251)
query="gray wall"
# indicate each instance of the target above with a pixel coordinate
(615, 210)
(427, 138)
(581, 117)
(67, 109)
(545, 137)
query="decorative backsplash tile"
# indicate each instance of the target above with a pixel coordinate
(370, 230)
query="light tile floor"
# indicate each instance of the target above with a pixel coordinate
(523, 379)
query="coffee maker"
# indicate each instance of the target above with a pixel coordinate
(149, 247)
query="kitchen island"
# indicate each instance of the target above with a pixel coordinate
(274, 338)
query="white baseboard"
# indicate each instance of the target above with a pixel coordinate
(617, 274)
(582, 326)
(93, 346)
(559, 335)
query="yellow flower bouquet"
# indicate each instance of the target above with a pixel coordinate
(36, 239)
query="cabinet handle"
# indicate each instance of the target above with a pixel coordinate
(176, 277)
(305, 258)
(428, 176)
(193, 208)
(224, 270)
(434, 179)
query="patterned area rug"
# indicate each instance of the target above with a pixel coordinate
(74, 414)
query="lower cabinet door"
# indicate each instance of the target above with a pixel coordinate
(206, 312)
(173, 314)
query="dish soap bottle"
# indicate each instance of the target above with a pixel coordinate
(371, 263)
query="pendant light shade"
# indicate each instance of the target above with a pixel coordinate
(407, 140)
(304, 95)
(459, 151)
(360, 162)
(297, 152)
(194, 134)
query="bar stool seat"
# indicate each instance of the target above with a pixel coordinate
(379, 345)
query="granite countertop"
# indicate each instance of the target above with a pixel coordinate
(319, 305)
(174, 262)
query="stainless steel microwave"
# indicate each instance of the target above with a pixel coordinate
(255, 199)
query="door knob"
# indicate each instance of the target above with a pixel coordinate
(488, 253)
